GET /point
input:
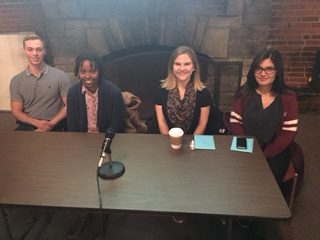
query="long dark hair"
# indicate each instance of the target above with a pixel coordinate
(95, 62)
(278, 85)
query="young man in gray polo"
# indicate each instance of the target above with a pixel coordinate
(38, 94)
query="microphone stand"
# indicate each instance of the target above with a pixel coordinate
(100, 206)
(110, 169)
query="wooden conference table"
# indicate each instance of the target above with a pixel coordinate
(59, 170)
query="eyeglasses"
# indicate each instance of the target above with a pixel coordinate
(267, 70)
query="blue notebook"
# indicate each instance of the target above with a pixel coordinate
(204, 142)
(249, 148)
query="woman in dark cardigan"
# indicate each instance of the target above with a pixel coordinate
(93, 104)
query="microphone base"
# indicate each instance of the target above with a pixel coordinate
(111, 170)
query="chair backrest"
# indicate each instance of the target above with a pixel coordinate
(215, 123)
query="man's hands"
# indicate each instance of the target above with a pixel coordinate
(43, 125)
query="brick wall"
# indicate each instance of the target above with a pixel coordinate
(295, 31)
(309, 103)
(21, 16)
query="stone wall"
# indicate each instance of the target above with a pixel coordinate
(216, 28)
(225, 30)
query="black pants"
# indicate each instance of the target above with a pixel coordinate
(59, 127)
(279, 165)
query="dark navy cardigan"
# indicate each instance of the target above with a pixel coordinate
(110, 108)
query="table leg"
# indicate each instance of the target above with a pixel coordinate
(104, 222)
(3, 218)
(229, 229)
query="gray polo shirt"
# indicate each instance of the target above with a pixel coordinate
(41, 96)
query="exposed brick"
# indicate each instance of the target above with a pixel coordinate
(309, 49)
(310, 19)
(296, 74)
(305, 54)
(299, 26)
(295, 42)
(291, 6)
(299, 64)
(313, 42)
(280, 42)
(303, 12)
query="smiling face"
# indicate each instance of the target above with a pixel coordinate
(35, 51)
(265, 73)
(183, 68)
(89, 75)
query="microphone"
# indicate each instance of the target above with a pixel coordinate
(109, 135)
(110, 169)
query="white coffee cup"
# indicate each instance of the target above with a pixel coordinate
(176, 137)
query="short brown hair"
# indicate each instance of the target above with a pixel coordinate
(33, 36)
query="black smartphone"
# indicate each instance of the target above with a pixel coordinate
(241, 143)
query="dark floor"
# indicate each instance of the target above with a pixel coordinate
(304, 225)
(56, 224)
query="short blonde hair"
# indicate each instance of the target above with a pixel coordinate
(33, 36)
(169, 82)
